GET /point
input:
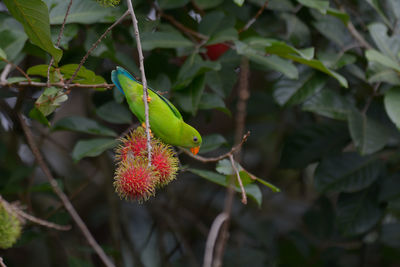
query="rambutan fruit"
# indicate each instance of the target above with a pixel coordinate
(164, 162)
(135, 180)
(133, 145)
(10, 228)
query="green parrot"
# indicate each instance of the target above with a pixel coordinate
(165, 120)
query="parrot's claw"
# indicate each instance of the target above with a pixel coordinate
(148, 99)
(144, 126)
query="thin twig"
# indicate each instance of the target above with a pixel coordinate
(4, 73)
(67, 203)
(18, 68)
(252, 20)
(352, 29)
(215, 159)
(240, 124)
(58, 40)
(212, 237)
(94, 47)
(59, 84)
(182, 27)
(244, 198)
(144, 81)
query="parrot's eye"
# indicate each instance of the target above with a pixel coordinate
(195, 139)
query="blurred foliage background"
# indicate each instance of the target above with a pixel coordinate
(323, 112)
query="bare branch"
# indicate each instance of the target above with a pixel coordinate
(253, 19)
(58, 41)
(215, 159)
(15, 66)
(94, 47)
(2, 264)
(67, 203)
(212, 238)
(144, 81)
(59, 84)
(244, 198)
(182, 27)
(4, 73)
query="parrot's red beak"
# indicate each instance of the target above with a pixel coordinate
(195, 150)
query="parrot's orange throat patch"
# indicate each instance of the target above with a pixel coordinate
(195, 150)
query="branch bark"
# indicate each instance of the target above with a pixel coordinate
(144, 81)
(66, 202)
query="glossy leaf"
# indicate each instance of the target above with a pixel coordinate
(50, 99)
(83, 125)
(34, 16)
(114, 113)
(2, 54)
(328, 103)
(368, 135)
(321, 5)
(92, 147)
(357, 212)
(346, 172)
(212, 142)
(292, 92)
(375, 56)
(392, 105)
(313, 142)
(151, 40)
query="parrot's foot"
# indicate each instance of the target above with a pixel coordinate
(144, 126)
(148, 99)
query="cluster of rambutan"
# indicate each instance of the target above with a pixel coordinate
(134, 179)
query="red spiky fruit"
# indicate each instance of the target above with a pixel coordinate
(135, 180)
(164, 162)
(132, 145)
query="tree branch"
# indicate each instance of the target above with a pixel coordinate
(94, 47)
(252, 20)
(244, 198)
(144, 81)
(68, 205)
(58, 40)
(58, 84)
(212, 238)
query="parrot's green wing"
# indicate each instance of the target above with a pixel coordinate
(169, 104)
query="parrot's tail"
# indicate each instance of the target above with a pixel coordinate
(120, 71)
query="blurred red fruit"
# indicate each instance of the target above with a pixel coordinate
(216, 50)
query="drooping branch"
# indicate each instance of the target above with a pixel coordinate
(58, 40)
(212, 237)
(19, 212)
(144, 81)
(66, 202)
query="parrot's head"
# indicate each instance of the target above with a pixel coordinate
(191, 138)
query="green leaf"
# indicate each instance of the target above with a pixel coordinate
(34, 16)
(389, 46)
(114, 113)
(312, 142)
(212, 142)
(12, 37)
(392, 105)
(297, 31)
(270, 62)
(50, 99)
(207, 4)
(213, 101)
(83, 125)
(239, 2)
(321, 5)
(375, 4)
(85, 12)
(171, 4)
(328, 103)
(3, 55)
(292, 92)
(193, 67)
(368, 135)
(190, 99)
(224, 35)
(344, 17)
(375, 56)
(151, 40)
(224, 166)
(390, 188)
(39, 116)
(92, 147)
(357, 212)
(252, 190)
(347, 172)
